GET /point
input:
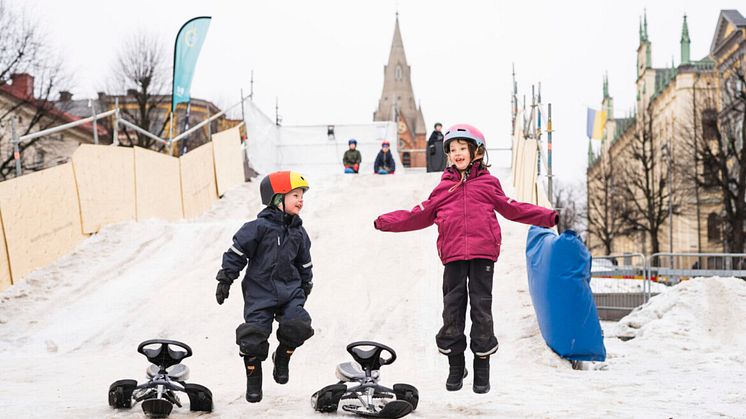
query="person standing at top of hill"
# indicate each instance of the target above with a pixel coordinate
(463, 206)
(436, 157)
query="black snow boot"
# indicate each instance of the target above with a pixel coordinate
(253, 379)
(457, 372)
(281, 358)
(481, 374)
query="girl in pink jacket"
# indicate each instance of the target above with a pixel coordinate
(463, 207)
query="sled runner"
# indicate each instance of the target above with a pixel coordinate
(358, 389)
(166, 376)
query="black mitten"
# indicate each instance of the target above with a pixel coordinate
(224, 286)
(307, 287)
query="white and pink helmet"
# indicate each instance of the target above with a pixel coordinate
(463, 132)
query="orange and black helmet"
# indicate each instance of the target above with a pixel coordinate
(280, 183)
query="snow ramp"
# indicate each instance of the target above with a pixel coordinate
(70, 329)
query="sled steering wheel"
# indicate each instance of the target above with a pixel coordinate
(371, 359)
(164, 356)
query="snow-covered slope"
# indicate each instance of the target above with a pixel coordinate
(71, 328)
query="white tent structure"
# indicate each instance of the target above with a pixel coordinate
(311, 149)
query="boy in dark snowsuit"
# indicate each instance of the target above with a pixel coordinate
(384, 164)
(278, 279)
(352, 158)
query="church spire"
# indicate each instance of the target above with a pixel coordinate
(606, 85)
(397, 84)
(685, 42)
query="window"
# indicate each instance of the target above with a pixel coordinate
(709, 124)
(39, 157)
(713, 227)
(397, 72)
(710, 171)
(406, 159)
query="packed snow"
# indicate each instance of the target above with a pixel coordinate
(70, 329)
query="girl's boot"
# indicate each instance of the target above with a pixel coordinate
(253, 379)
(457, 372)
(481, 374)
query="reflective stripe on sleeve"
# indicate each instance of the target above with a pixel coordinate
(236, 251)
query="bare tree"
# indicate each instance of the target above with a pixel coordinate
(605, 205)
(696, 168)
(24, 49)
(141, 72)
(644, 185)
(568, 201)
(725, 149)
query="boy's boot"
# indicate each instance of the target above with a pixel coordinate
(281, 358)
(253, 379)
(457, 372)
(481, 374)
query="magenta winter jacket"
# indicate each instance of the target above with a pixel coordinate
(465, 215)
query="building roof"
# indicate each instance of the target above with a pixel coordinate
(727, 17)
(54, 111)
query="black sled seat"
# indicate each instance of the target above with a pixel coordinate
(358, 388)
(166, 377)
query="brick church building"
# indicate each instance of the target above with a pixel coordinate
(397, 104)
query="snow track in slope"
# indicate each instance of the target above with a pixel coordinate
(68, 330)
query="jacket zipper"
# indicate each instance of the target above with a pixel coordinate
(466, 226)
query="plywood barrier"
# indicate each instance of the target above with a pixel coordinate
(41, 218)
(198, 190)
(157, 185)
(228, 159)
(5, 279)
(105, 176)
(527, 172)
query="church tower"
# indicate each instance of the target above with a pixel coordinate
(397, 104)
(645, 71)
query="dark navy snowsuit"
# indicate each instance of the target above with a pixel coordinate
(277, 248)
(384, 161)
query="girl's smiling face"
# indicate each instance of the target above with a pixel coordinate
(458, 153)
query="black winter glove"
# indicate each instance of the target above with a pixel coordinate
(307, 287)
(224, 286)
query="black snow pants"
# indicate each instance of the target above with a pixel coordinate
(456, 292)
(265, 301)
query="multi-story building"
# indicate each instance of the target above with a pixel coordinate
(672, 113)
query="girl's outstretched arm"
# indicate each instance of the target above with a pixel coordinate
(421, 216)
(522, 212)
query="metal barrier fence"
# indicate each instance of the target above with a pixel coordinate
(624, 282)
(672, 268)
(16, 140)
(620, 284)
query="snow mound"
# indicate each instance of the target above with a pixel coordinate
(703, 311)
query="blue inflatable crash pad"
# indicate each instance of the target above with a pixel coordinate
(559, 273)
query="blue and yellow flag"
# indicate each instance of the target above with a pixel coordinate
(189, 42)
(595, 123)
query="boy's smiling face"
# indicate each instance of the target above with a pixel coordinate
(294, 201)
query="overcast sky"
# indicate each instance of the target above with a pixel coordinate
(324, 59)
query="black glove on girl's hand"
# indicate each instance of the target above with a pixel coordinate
(307, 287)
(224, 286)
